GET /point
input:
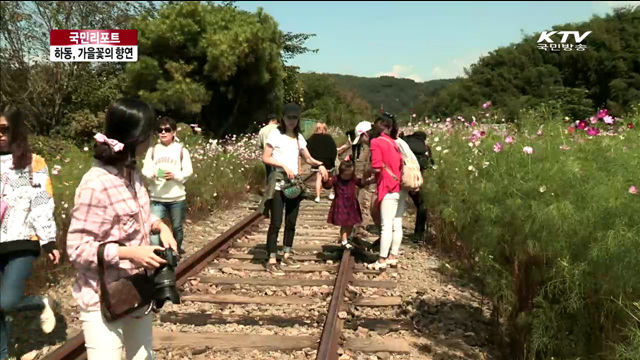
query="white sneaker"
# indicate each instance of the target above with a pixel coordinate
(317, 200)
(47, 318)
(332, 196)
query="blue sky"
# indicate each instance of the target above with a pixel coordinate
(418, 40)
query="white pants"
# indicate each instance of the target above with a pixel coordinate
(391, 211)
(106, 340)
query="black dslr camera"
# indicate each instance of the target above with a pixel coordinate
(165, 278)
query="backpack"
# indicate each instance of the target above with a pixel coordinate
(411, 174)
(420, 150)
(153, 152)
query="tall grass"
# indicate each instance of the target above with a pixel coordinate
(551, 222)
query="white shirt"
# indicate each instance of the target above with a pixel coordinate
(167, 158)
(286, 150)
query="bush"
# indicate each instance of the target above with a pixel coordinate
(81, 126)
(551, 222)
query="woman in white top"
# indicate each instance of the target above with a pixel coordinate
(284, 147)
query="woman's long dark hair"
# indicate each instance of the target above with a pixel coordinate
(18, 137)
(388, 121)
(131, 122)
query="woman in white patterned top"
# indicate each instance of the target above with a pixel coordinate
(27, 223)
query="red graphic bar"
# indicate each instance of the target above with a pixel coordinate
(93, 37)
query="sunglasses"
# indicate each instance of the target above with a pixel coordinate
(4, 130)
(165, 129)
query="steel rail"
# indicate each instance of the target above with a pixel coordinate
(332, 331)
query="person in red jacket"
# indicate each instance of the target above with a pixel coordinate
(386, 163)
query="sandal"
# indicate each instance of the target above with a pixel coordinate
(392, 263)
(377, 266)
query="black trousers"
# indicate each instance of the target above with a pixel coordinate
(355, 151)
(421, 215)
(290, 208)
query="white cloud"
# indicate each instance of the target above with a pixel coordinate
(454, 68)
(402, 71)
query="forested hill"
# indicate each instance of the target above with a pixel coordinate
(395, 94)
(520, 76)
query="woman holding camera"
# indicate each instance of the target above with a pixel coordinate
(113, 207)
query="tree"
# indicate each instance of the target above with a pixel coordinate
(212, 63)
(329, 103)
(294, 46)
(48, 92)
(520, 75)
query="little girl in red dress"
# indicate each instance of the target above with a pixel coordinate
(345, 208)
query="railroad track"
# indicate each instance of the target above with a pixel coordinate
(226, 283)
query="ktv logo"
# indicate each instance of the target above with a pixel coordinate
(545, 42)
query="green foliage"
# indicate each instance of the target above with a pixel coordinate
(293, 87)
(215, 63)
(554, 232)
(328, 103)
(395, 95)
(81, 126)
(294, 45)
(631, 349)
(47, 91)
(521, 75)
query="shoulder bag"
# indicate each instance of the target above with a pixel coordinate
(125, 295)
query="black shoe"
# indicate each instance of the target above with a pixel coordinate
(274, 269)
(417, 238)
(181, 252)
(290, 263)
(376, 245)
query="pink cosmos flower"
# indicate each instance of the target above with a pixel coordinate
(582, 124)
(630, 125)
(593, 119)
(602, 113)
(527, 150)
(497, 147)
(486, 105)
(592, 131)
(633, 190)
(509, 140)
(608, 119)
(572, 129)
